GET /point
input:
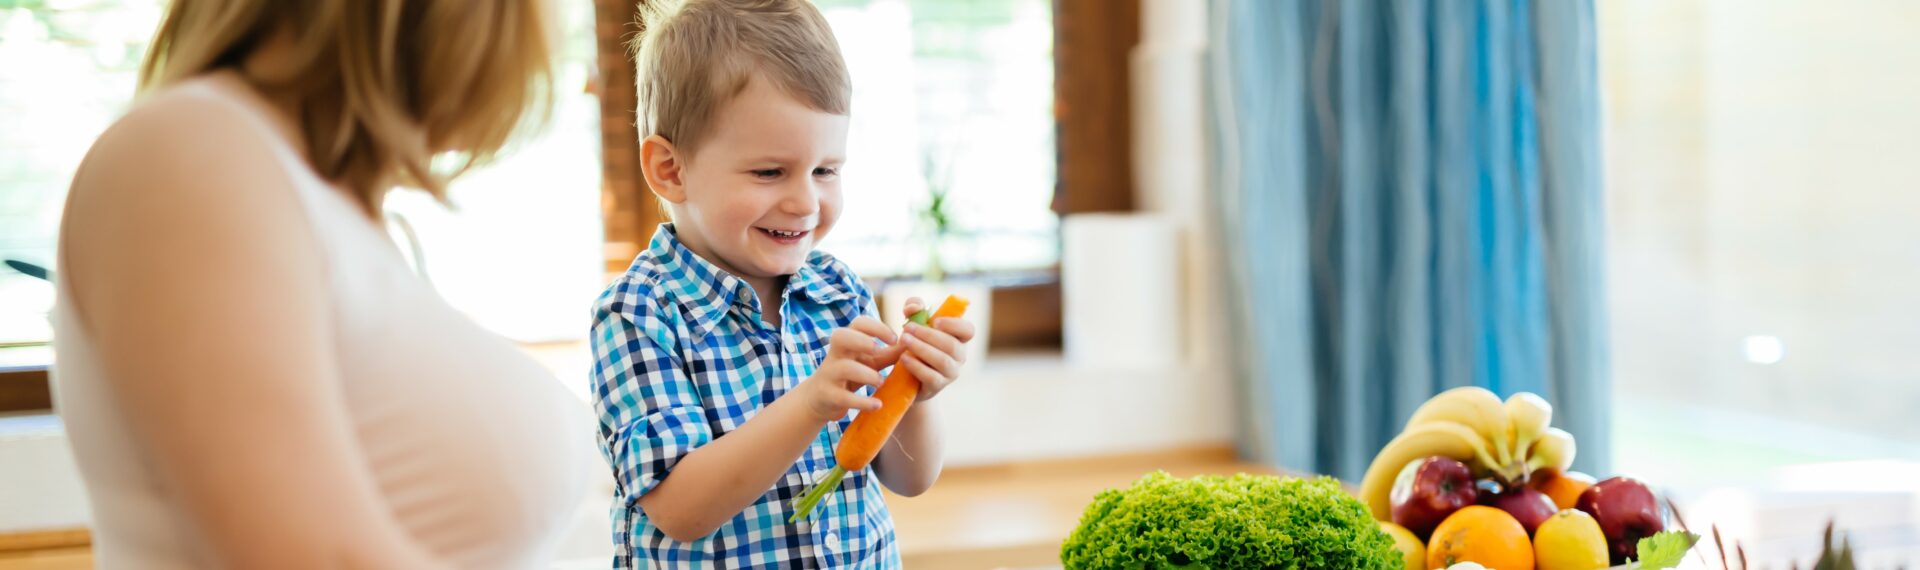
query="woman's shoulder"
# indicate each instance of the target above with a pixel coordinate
(188, 148)
(188, 162)
(197, 118)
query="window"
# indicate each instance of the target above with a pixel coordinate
(956, 94)
(521, 249)
(959, 93)
(521, 252)
(67, 70)
(1763, 235)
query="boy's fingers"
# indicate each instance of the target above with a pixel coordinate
(884, 356)
(961, 329)
(852, 342)
(848, 343)
(931, 381)
(860, 374)
(930, 354)
(938, 339)
(914, 305)
(852, 401)
(873, 328)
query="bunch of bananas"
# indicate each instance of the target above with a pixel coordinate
(1506, 441)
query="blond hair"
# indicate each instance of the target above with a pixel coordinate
(693, 57)
(387, 87)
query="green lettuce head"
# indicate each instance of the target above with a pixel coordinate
(1220, 523)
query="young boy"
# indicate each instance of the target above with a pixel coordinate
(729, 356)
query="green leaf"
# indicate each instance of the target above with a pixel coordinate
(1242, 521)
(1665, 550)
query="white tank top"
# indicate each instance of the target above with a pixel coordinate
(479, 452)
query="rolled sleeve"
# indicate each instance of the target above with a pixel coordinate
(650, 412)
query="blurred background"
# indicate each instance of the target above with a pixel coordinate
(1225, 236)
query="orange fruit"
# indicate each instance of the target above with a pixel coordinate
(1481, 534)
(1563, 488)
(1408, 545)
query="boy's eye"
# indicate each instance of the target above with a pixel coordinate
(765, 173)
(825, 172)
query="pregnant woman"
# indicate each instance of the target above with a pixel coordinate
(250, 375)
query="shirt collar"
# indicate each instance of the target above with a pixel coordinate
(708, 292)
(822, 280)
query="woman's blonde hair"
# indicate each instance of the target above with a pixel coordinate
(388, 88)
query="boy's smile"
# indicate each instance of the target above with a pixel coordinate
(785, 237)
(763, 188)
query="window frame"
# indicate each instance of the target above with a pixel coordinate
(25, 389)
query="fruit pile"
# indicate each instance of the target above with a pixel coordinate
(1473, 479)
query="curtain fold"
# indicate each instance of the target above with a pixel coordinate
(1410, 201)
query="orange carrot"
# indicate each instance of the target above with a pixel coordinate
(870, 430)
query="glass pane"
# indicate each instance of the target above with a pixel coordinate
(67, 70)
(1763, 235)
(521, 249)
(521, 254)
(956, 94)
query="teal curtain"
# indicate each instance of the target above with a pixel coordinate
(1410, 201)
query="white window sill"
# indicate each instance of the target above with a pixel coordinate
(1037, 405)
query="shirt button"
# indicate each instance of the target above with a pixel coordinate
(833, 542)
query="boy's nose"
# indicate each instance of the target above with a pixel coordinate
(803, 199)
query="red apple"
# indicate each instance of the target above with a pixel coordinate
(1626, 511)
(1529, 506)
(1429, 490)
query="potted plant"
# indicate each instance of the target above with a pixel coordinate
(936, 228)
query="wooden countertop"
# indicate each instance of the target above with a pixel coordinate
(59, 549)
(1016, 515)
(1000, 516)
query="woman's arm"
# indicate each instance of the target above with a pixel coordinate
(195, 271)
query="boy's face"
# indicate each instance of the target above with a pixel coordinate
(765, 186)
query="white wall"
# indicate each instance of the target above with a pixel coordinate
(40, 486)
(1035, 406)
(1029, 406)
(1762, 183)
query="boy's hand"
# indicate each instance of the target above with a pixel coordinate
(934, 352)
(854, 359)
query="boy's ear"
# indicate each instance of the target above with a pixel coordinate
(662, 164)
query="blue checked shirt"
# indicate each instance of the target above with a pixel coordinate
(682, 356)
